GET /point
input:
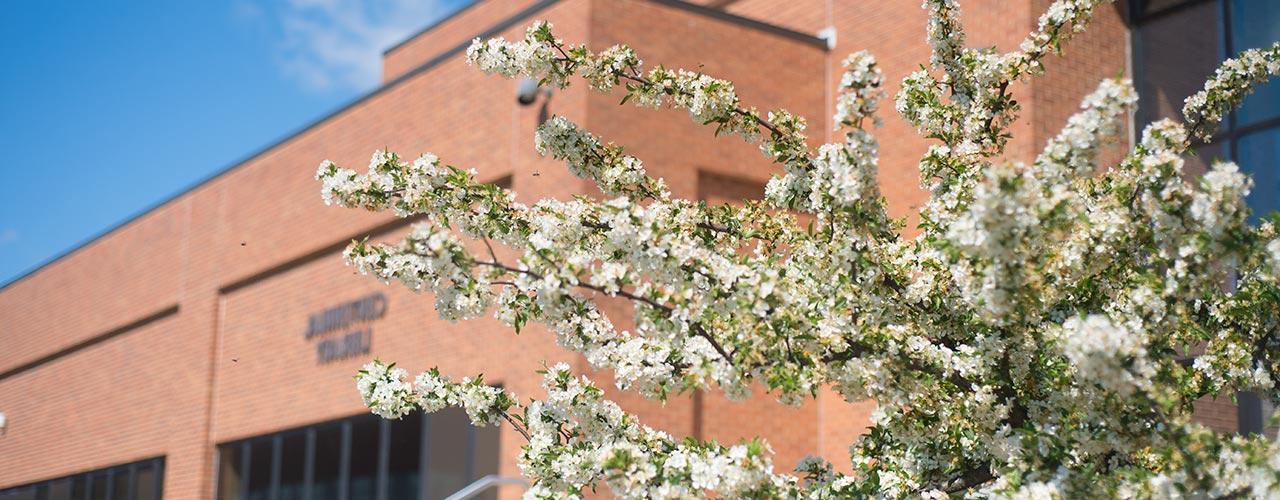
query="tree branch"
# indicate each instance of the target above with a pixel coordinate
(696, 327)
(970, 479)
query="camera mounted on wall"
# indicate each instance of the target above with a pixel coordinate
(527, 92)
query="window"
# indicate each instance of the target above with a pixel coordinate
(1177, 45)
(293, 466)
(136, 481)
(1253, 24)
(361, 457)
(1259, 154)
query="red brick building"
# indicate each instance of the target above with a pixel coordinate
(207, 346)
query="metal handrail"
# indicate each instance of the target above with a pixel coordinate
(484, 483)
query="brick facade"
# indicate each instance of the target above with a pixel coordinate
(184, 328)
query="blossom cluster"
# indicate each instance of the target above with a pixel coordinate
(1030, 340)
(839, 179)
(1074, 151)
(615, 173)
(1228, 86)
(387, 394)
(708, 100)
(529, 56)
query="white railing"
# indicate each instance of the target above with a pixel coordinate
(484, 483)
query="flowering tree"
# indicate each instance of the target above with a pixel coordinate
(1030, 341)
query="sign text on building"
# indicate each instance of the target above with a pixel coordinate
(355, 341)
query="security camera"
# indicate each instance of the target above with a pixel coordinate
(527, 91)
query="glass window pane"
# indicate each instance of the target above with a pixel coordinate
(1259, 156)
(100, 484)
(293, 462)
(328, 461)
(79, 488)
(447, 453)
(1205, 156)
(1256, 23)
(260, 468)
(60, 490)
(1153, 6)
(1175, 54)
(144, 483)
(362, 483)
(120, 483)
(404, 456)
(230, 472)
(115, 482)
(484, 457)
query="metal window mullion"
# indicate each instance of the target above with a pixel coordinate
(277, 445)
(344, 462)
(111, 485)
(1227, 49)
(131, 488)
(247, 466)
(384, 458)
(157, 478)
(309, 464)
(471, 454)
(424, 454)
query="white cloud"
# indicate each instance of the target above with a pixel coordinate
(329, 44)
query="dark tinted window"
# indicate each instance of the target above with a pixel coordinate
(1174, 55)
(485, 457)
(293, 462)
(78, 488)
(231, 472)
(365, 434)
(404, 456)
(120, 483)
(60, 489)
(1177, 45)
(1259, 155)
(1156, 6)
(101, 485)
(328, 461)
(362, 457)
(145, 484)
(1256, 23)
(260, 451)
(448, 439)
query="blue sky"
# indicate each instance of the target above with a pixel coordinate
(107, 108)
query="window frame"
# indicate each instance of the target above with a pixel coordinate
(1249, 408)
(127, 472)
(243, 447)
(1229, 134)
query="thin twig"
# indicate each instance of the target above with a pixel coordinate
(493, 255)
(516, 426)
